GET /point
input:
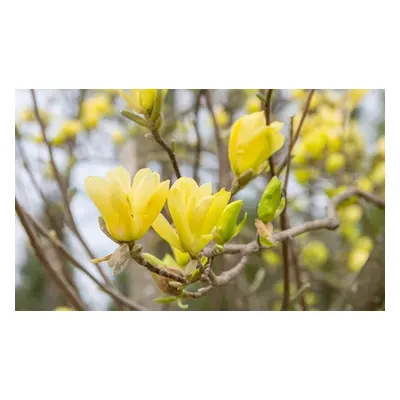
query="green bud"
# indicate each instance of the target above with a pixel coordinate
(153, 260)
(134, 117)
(158, 122)
(226, 228)
(165, 300)
(280, 208)
(270, 200)
(157, 106)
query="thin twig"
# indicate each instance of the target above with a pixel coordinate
(63, 189)
(171, 154)
(298, 130)
(267, 112)
(197, 156)
(221, 149)
(64, 251)
(60, 281)
(159, 270)
(330, 222)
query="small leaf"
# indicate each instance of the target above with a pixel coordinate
(134, 117)
(281, 207)
(165, 300)
(270, 200)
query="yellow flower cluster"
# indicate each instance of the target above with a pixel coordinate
(129, 209)
(328, 139)
(94, 109)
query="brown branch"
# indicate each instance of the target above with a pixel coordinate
(63, 189)
(267, 113)
(171, 154)
(298, 131)
(60, 280)
(159, 270)
(64, 251)
(330, 222)
(286, 265)
(196, 165)
(223, 170)
(219, 280)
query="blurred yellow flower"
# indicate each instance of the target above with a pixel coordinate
(128, 209)
(251, 142)
(117, 137)
(359, 255)
(221, 116)
(314, 254)
(378, 173)
(271, 258)
(63, 308)
(90, 119)
(195, 212)
(365, 184)
(253, 104)
(70, 128)
(335, 162)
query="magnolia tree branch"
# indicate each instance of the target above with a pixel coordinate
(197, 156)
(223, 169)
(60, 280)
(298, 131)
(171, 154)
(331, 222)
(109, 289)
(62, 187)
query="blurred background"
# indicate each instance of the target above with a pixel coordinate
(342, 145)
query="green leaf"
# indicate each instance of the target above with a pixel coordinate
(165, 300)
(270, 200)
(226, 225)
(158, 101)
(281, 207)
(134, 117)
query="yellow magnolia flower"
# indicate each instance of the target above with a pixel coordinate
(315, 254)
(70, 128)
(221, 116)
(195, 212)
(253, 105)
(128, 209)
(335, 162)
(252, 142)
(117, 137)
(141, 100)
(90, 119)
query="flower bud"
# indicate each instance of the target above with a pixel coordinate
(335, 162)
(227, 228)
(270, 200)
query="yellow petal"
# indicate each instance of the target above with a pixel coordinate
(200, 243)
(220, 200)
(154, 205)
(177, 205)
(165, 230)
(122, 176)
(113, 205)
(198, 214)
(143, 186)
